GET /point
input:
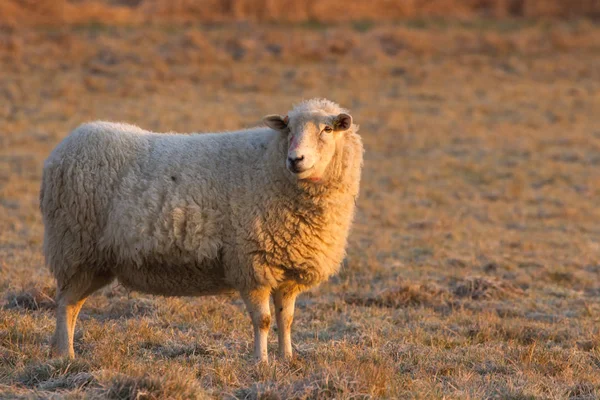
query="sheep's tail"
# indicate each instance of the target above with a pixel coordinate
(42, 191)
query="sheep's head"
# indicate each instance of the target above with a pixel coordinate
(314, 129)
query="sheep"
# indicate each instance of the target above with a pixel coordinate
(263, 212)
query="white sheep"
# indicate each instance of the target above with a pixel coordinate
(263, 211)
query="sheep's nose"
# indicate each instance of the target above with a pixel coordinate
(295, 160)
(295, 163)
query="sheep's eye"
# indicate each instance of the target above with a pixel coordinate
(328, 129)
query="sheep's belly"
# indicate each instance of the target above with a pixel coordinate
(176, 280)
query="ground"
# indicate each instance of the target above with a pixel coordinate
(473, 267)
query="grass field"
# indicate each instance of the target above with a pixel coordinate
(473, 267)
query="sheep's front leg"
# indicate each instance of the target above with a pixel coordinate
(285, 300)
(257, 302)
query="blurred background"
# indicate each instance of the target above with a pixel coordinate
(473, 267)
(56, 12)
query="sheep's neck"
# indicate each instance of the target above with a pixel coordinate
(303, 230)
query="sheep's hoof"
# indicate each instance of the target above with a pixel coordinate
(261, 360)
(58, 352)
(55, 353)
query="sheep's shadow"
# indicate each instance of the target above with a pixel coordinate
(42, 299)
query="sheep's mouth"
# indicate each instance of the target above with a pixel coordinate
(303, 175)
(296, 170)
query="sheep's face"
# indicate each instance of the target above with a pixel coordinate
(312, 141)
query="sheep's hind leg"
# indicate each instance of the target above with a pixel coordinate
(285, 300)
(69, 300)
(257, 303)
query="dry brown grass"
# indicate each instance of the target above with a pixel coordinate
(473, 266)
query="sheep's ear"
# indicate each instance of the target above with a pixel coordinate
(277, 122)
(342, 122)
